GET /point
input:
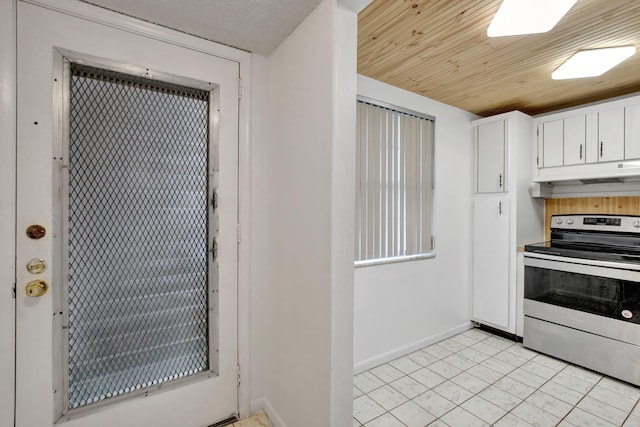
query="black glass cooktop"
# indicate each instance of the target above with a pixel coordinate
(584, 252)
(617, 247)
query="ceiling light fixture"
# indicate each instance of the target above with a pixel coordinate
(592, 62)
(528, 16)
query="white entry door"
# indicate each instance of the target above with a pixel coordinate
(127, 171)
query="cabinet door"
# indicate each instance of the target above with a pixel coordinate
(591, 137)
(574, 140)
(632, 132)
(491, 157)
(540, 142)
(491, 290)
(611, 135)
(553, 143)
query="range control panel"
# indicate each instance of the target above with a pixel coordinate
(602, 221)
(616, 223)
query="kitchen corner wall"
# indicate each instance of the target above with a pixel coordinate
(401, 307)
(628, 205)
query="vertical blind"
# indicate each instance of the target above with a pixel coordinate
(394, 183)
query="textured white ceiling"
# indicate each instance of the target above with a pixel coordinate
(253, 25)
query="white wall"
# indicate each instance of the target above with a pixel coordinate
(302, 225)
(259, 225)
(404, 306)
(343, 211)
(7, 207)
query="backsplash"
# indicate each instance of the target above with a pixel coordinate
(591, 205)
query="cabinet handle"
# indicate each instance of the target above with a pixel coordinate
(500, 182)
(601, 148)
(500, 208)
(580, 151)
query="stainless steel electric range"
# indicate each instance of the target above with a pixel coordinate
(582, 293)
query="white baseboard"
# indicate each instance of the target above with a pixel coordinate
(401, 351)
(262, 404)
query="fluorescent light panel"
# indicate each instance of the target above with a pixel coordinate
(592, 62)
(528, 16)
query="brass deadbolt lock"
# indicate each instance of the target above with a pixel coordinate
(36, 231)
(36, 288)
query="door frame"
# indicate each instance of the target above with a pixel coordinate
(8, 160)
(8, 11)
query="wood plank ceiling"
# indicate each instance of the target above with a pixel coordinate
(439, 49)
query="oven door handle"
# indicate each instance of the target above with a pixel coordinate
(589, 268)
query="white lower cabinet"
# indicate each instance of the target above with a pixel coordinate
(491, 262)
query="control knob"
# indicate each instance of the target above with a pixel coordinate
(569, 221)
(558, 220)
(636, 224)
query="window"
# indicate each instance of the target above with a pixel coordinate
(394, 183)
(138, 278)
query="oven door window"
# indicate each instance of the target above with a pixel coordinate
(604, 296)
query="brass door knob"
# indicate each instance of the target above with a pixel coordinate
(36, 288)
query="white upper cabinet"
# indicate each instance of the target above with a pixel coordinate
(611, 135)
(574, 135)
(490, 157)
(632, 132)
(552, 143)
(593, 142)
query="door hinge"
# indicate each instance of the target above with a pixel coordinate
(433, 243)
(239, 233)
(239, 88)
(538, 160)
(13, 291)
(238, 375)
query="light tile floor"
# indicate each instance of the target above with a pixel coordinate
(479, 379)
(259, 419)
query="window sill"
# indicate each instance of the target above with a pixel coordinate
(393, 260)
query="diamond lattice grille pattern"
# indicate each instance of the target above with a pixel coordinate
(137, 234)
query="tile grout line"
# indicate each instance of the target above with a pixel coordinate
(490, 384)
(474, 394)
(586, 394)
(478, 363)
(461, 371)
(581, 399)
(633, 408)
(429, 388)
(542, 385)
(548, 381)
(439, 358)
